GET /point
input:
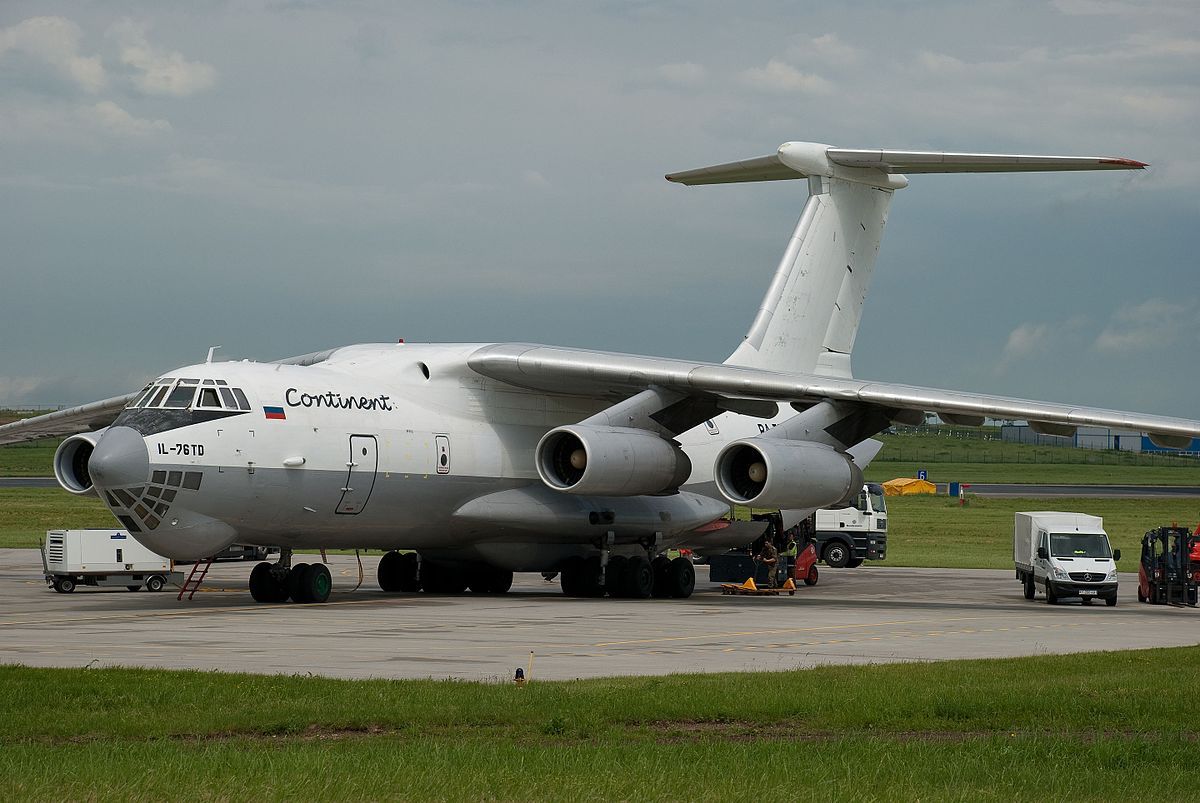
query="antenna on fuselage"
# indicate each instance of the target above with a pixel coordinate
(211, 351)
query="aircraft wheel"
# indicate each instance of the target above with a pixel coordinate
(590, 585)
(661, 568)
(614, 576)
(571, 577)
(811, 578)
(639, 578)
(681, 578)
(295, 583)
(837, 555)
(439, 579)
(316, 583)
(155, 583)
(490, 580)
(389, 572)
(262, 583)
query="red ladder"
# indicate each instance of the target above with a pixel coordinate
(195, 578)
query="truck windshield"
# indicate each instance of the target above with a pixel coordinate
(1079, 545)
(877, 503)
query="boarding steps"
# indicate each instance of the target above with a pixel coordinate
(195, 578)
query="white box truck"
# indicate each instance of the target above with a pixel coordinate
(1068, 554)
(103, 558)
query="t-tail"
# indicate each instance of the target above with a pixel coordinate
(810, 314)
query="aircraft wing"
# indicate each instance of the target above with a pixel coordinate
(85, 418)
(577, 371)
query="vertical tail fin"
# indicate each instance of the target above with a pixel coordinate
(810, 314)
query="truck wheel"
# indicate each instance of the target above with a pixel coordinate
(1050, 598)
(133, 588)
(66, 585)
(1141, 596)
(854, 563)
(811, 578)
(1111, 602)
(836, 555)
(1029, 588)
(155, 583)
(1085, 600)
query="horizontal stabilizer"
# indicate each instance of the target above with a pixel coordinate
(803, 159)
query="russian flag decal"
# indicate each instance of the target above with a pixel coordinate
(275, 412)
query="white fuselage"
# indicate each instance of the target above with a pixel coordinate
(384, 446)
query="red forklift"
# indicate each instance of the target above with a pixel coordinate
(1169, 571)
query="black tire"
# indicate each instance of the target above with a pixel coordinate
(57, 588)
(681, 578)
(1141, 596)
(442, 579)
(589, 582)
(1028, 587)
(1111, 602)
(389, 572)
(65, 585)
(1051, 599)
(134, 588)
(155, 583)
(812, 577)
(571, 577)
(262, 584)
(295, 583)
(639, 578)
(836, 554)
(490, 580)
(855, 563)
(1085, 600)
(316, 583)
(661, 568)
(614, 576)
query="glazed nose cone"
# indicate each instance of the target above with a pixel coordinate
(120, 459)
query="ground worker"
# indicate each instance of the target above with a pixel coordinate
(769, 557)
(790, 552)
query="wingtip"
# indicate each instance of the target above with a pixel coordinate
(1131, 164)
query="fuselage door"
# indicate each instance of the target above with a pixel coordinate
(360, 474)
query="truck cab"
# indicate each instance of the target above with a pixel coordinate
(846, 537)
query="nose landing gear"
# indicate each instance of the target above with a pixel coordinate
(277, 582)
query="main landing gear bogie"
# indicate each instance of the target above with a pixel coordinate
(404, 571)
(630, 577)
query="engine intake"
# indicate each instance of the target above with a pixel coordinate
(610, 461)
(772, 473)
(71, 462)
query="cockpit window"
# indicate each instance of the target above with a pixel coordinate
(141, 397)
(182, 395)
(206, 394)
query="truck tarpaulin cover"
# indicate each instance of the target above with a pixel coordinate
(907, 487)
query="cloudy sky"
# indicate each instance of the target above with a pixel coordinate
(282, 177)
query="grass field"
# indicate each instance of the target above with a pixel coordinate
(955, 730)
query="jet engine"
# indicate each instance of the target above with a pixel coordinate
(610, 461)
(71, 462)
(776, 473)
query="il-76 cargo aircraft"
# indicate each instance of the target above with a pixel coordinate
(470, 461)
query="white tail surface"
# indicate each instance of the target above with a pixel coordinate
(810, 314)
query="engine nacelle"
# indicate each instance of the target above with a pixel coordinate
(71, 462)
(610, 461)
(775, 473)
